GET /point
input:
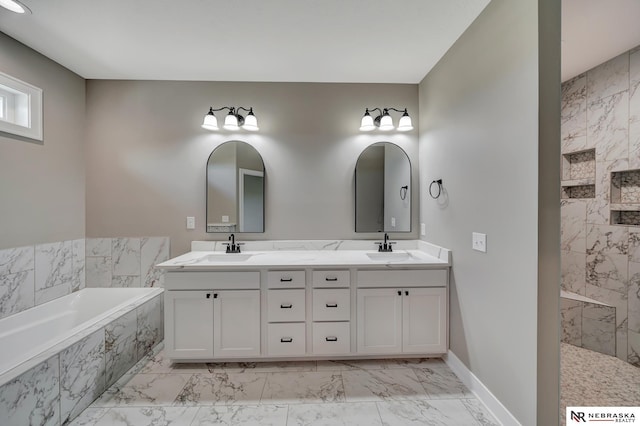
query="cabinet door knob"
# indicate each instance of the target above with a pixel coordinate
(286, 306)
(331, 305)
(331, 339)
(208, 295)
(215, 295)
(399, 293)
(286, 340)
(406, 293)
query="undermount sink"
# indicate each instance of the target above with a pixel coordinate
(389, 256)
(226, 257)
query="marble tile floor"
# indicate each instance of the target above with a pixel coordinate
(368, 393)
(590, 378)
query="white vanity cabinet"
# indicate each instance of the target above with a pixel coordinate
(331, 304)
(188, 324)
(298, 306)
(286, 313)
(205, 319)
(402, 318)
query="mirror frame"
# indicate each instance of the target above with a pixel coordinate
(355, 192)
(264, 170)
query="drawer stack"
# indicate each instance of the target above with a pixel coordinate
(331, 312)
(286, 313)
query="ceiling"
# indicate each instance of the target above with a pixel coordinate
(594, 31)
(367, 41)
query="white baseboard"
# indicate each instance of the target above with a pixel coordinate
(474, 384)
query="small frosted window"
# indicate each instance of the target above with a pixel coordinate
(20, 108)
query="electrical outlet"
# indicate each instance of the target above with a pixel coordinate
(191, 222)
(423, 229)
(479, 242)
(225, 219)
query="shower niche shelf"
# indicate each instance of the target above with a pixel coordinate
(579, 174)
(625, 198)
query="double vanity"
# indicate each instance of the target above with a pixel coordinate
(301, 300)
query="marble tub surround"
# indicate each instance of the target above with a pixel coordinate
(59, 383)
(280, 394)
(32, 275)
(126, 262)
(601, 114)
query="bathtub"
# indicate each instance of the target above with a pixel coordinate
(91, 331)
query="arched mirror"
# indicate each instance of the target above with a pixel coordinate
(383, 189)
(235, 189)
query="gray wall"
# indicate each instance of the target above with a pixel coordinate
(479, 132)
(146, 155)
(42, 185)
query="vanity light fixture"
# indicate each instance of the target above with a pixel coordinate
(233, 121)
(384, 121)
(14, 6)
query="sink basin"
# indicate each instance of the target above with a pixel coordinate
(226, 257)
(389, 256)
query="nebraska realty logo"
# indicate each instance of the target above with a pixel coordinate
(578, 415)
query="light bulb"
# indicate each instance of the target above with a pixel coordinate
(386, 122)
(231, 122)
(366, 125)
(405, 123)
(13, 6)
(251, 122)
(210, 121)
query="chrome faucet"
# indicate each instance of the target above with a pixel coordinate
(233, 247)
(386, 245)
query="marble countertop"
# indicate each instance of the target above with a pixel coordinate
(409, 254)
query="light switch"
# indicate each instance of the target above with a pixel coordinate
(479, 242)
(393, 222)
(191, 222)
(423, 229)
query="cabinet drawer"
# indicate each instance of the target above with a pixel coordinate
(286, 339)
(286, 279)
(194, 280)
(285, 305)
(331, 305)
(331, 338)
(414, 278)
(331, 279)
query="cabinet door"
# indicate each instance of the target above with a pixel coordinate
(424, 313)
(379, 321)
(188, 324)
(236, 323)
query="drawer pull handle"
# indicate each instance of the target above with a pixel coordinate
(286, 306)
(286, 340)
(331, 279)
(286, 280)
(331, 339)
(331, 305)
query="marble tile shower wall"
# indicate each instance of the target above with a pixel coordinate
(125, 262)
(601, 111)
(32, 275)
